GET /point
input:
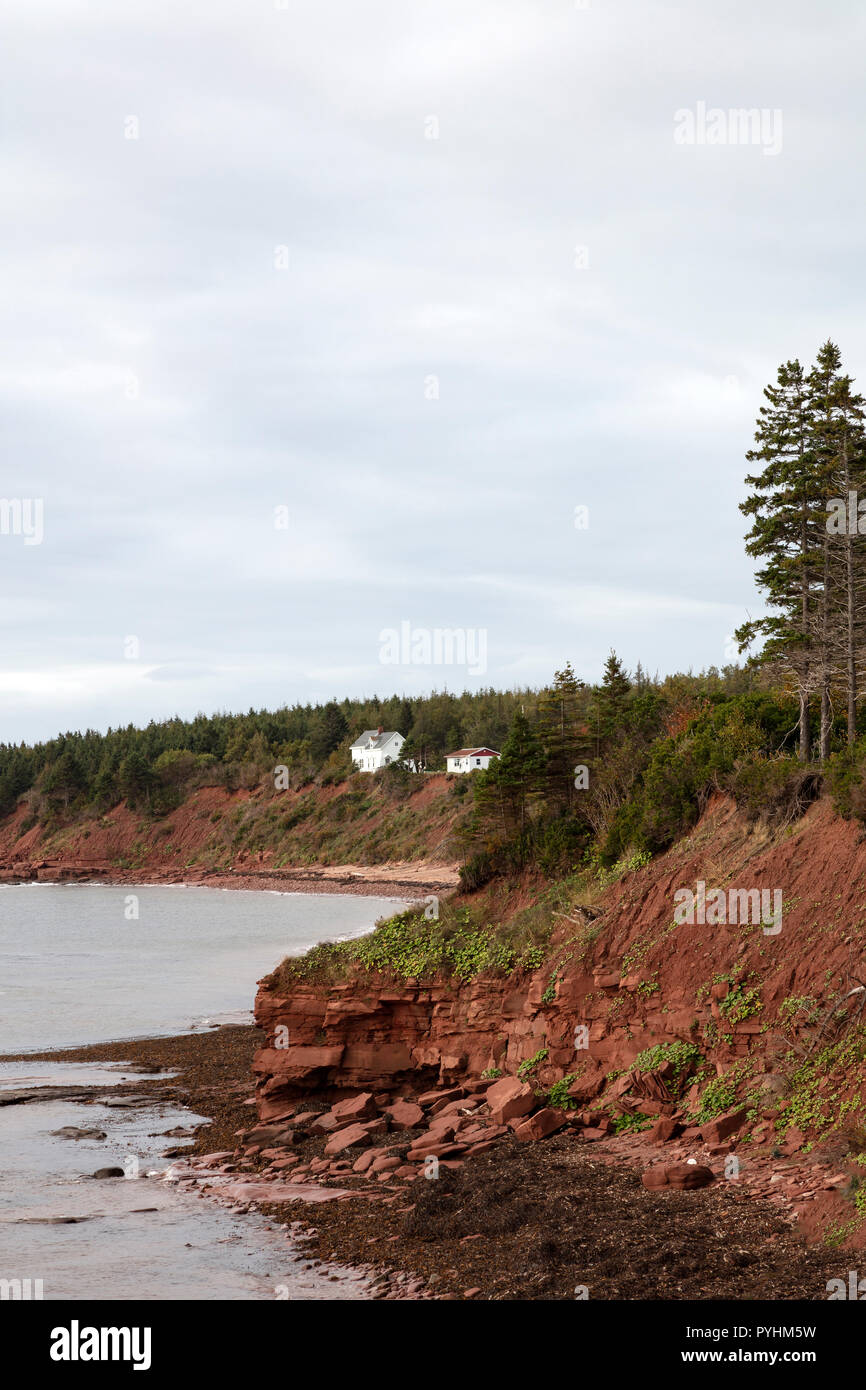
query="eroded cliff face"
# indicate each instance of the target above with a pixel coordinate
(624, 971)
(253, 833)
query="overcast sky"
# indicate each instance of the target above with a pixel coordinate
(428, 277)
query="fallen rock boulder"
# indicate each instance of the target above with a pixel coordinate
(360, 1107)
(440, 1097)
(538, 1126)
(719, 1129)
(508, 1099)
(683, 1177)
(585, 1089)
(353, 1136)
(405, 1115)
(664, 1130)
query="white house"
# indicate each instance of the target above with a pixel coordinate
(469, 759)
(376, 748)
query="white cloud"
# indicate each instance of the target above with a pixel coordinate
(629, 384)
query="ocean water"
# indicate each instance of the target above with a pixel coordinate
(74, 970)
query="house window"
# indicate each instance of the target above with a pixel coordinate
(477, 762)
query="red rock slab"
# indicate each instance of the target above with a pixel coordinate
(482, 1147)
(605, 979)
(663, 1130)
(655, 1107)
(720, 1129)
(377, 1062)
(369, 1156)
(327, 1124)
(538, 1126)
(684, 1177)
(593, 1118)
(456, 1107)
(266, 1135)
(585, 1089)
(385, 1163)
(443, 1104)
(432, 1097)
(438, 1133)
(794, 1140)
(280, 1192)
(347, 1138)
(509, 1098)
(423, 1151)
(405, 1115)
(479, 1134)
(296, 1063)
(360, 1107)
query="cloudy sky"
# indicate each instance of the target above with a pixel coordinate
(322, 318)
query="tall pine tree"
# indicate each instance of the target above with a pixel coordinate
(786, 535)
(563, 731)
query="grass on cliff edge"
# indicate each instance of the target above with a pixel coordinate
(462, 941)
(411, 946)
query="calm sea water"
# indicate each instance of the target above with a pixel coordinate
(75, 969)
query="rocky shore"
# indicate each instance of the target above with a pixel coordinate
(475, 1191)
(655, 1111)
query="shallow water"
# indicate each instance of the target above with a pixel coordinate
(73, 970)
(132, 1238)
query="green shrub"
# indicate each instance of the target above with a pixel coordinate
(740, 1003)
(409, 946)
(684, 1056)
(844, 779)
(525, 1070)
(776, 790)
(558, 1095)
(632, 1124)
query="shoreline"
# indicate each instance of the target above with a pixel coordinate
(412, 881)
(523, 1221)
(201, 1075)
(210, 1074)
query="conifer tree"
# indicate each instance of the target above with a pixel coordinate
(844, 462)
(611, 699)
(824, 383)
(563, 732)
(505, 792)
(786, 534)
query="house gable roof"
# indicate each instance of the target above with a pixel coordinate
(371, 738)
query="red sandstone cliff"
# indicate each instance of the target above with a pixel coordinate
(631, 976)
(245, 836)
